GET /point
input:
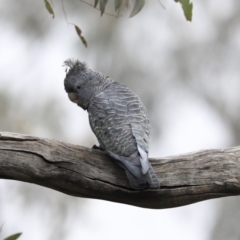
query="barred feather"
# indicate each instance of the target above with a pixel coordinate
(120, 122)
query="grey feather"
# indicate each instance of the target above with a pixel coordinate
(119, 120)
(143, 159)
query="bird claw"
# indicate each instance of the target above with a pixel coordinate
(97, 147)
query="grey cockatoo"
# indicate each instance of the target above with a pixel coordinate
(118, 119)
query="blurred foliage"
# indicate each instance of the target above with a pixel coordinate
(40, 118)
(227, 225)
(32, 24)
(43, 115)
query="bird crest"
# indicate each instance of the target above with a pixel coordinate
(74, 64)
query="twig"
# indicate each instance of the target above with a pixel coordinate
(64, 12)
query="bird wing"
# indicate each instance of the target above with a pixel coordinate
(120, 122)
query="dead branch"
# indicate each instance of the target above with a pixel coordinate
(89, 173)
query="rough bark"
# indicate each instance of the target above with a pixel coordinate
(91, 173)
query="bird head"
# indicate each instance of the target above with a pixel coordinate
(80, 83)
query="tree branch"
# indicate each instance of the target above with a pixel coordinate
(91, 173)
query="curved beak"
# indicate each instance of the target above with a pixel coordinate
(73, 97)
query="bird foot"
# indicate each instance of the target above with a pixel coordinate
(97, 147)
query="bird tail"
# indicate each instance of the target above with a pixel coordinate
(148, 180)
(152, 179)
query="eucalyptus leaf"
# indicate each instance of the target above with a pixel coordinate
(103, 4)
(95, 3)
(118, 4)
(78, 30)
(49, 8)
(137, 7)
(83, 41)
(187, 7)
(13, 237)
(79, 33)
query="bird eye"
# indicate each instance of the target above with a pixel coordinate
(78, 87)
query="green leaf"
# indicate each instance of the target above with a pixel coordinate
(13, 237)
(49, 8)
(79, 33)
(187, 7)
(118, 4)
(103, 4)
(78, 30)
(83, 41)
(137, 7)
(95, 3)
